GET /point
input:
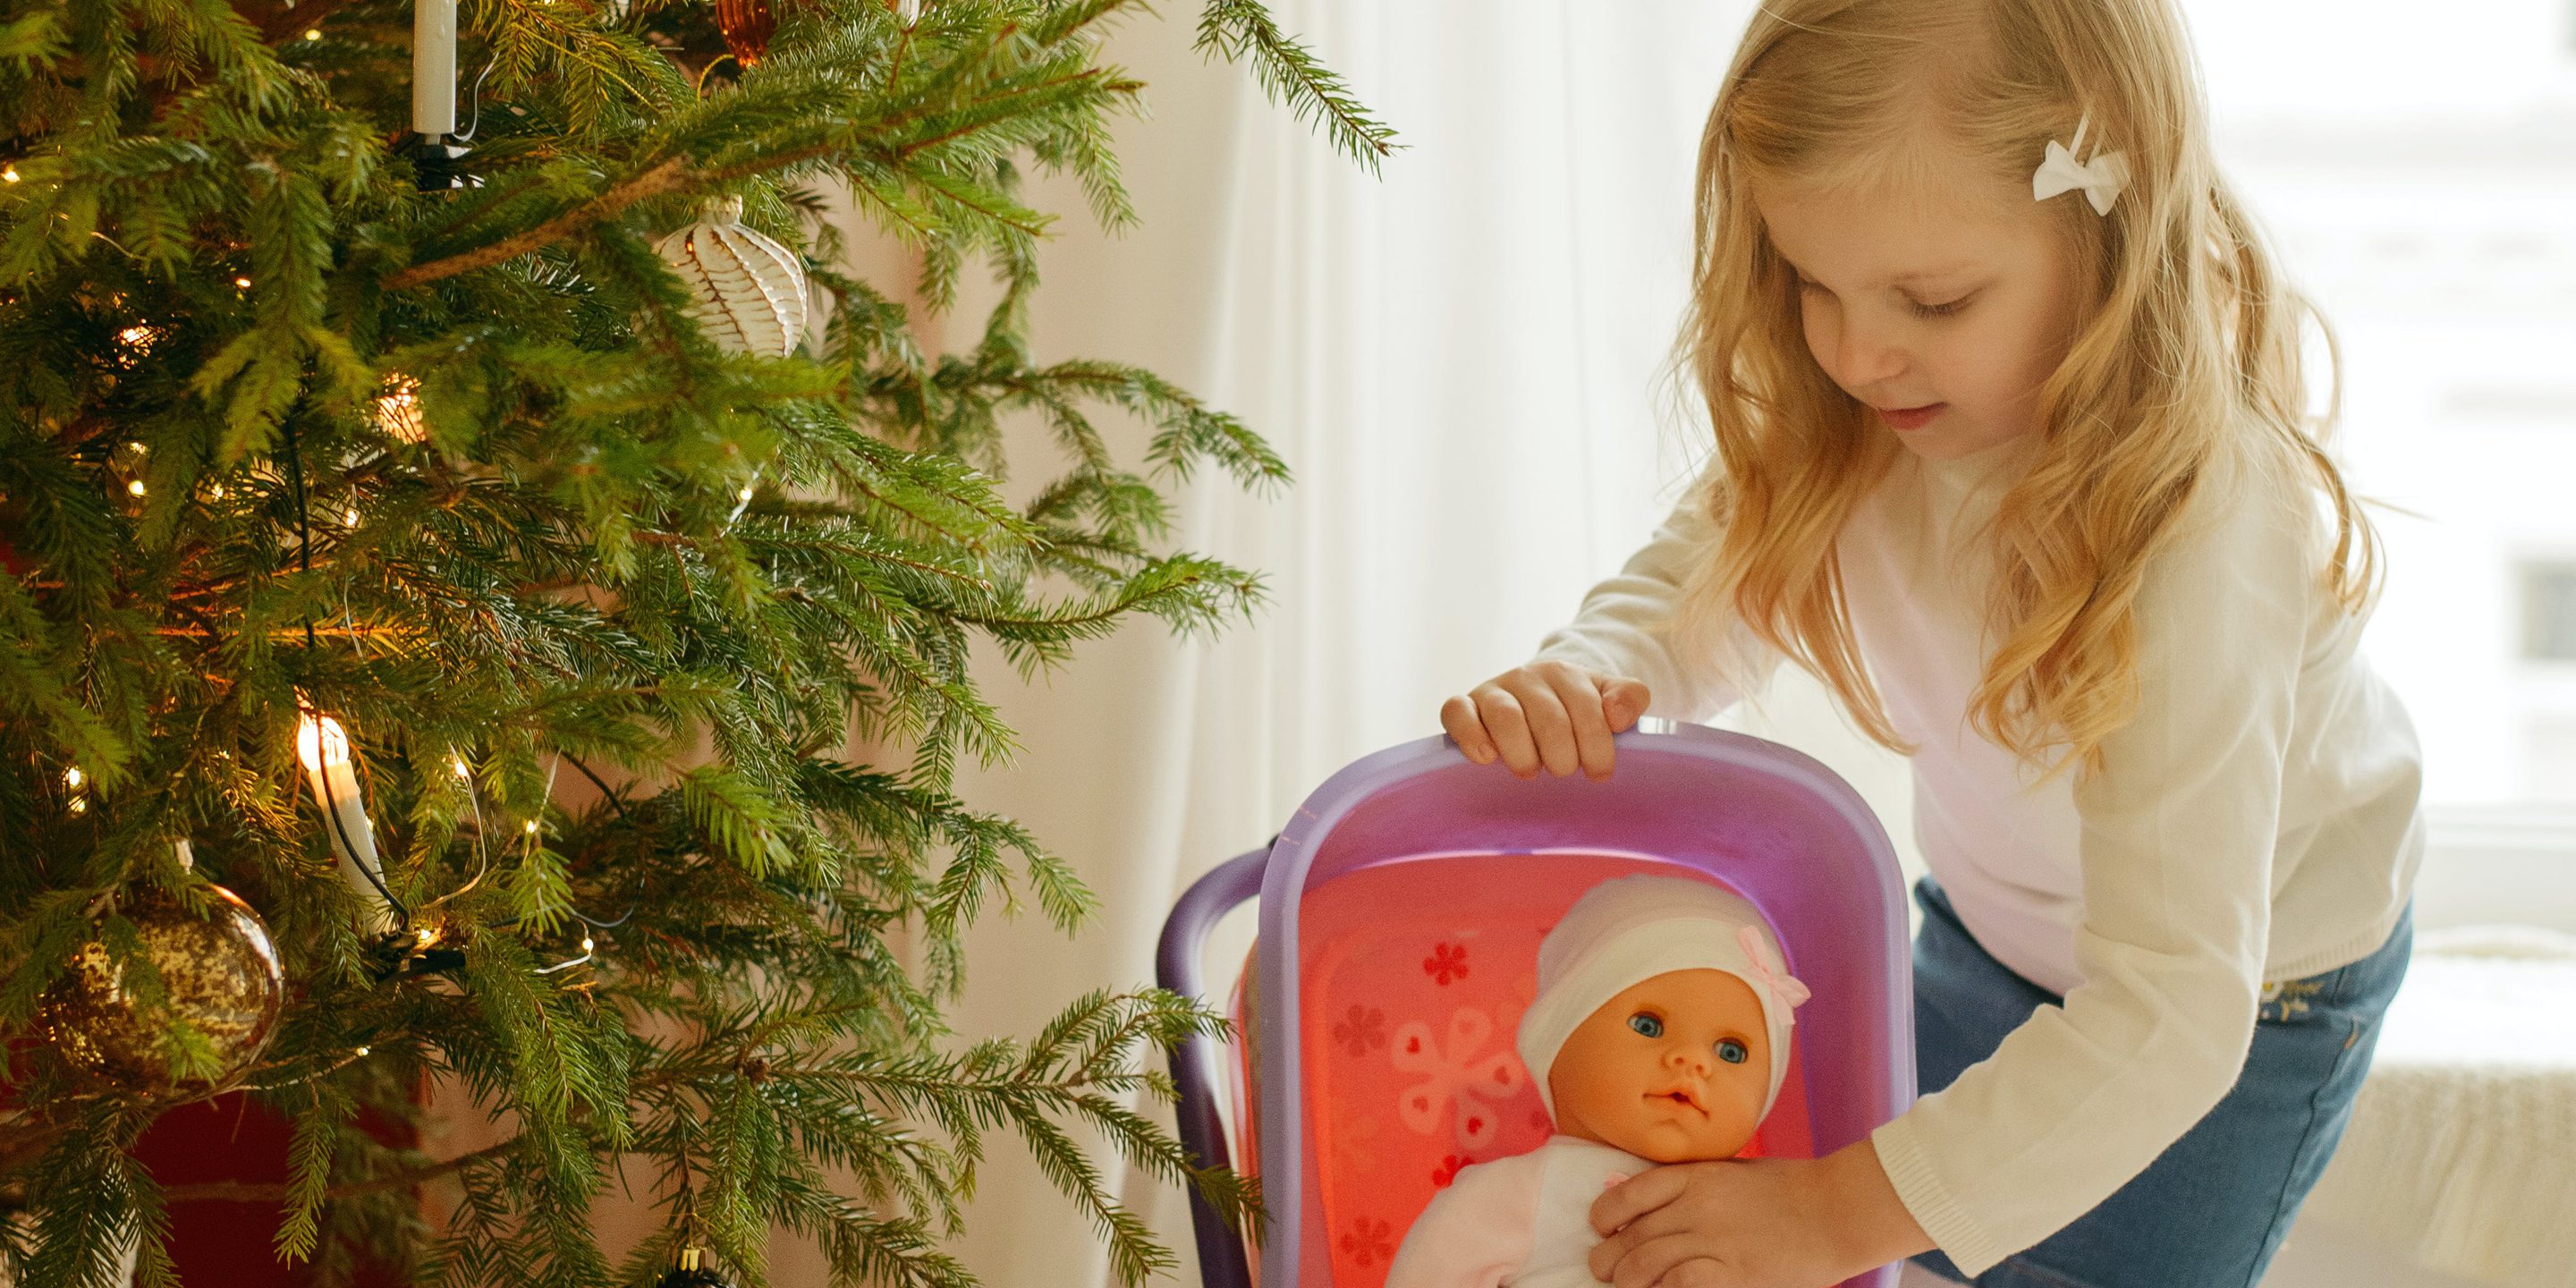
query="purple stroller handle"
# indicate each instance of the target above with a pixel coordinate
(1195, 1068)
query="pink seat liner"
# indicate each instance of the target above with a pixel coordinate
(1416, 975)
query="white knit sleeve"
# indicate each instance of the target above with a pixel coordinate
(1620, 629)
(2177, 834)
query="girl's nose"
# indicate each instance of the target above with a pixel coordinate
(1864, 355)
(1687, 1057)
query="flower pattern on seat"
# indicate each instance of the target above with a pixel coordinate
(1465, 1080)
(1370, 1241)
(1447, 963)
(1361, 1031)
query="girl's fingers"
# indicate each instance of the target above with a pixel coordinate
(1458, 716)
(1551, 715)
(1622, 701)
(1551, 727)
(1508, 726)
(1585, 721)
(1672, 1261)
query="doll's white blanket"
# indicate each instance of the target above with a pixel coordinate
(2461, 1152)
(1519, 1222)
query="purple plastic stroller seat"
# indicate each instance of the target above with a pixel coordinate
(1400, 912)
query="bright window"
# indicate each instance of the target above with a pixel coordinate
(2419, 179)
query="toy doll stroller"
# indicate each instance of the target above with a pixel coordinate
(1400, 915)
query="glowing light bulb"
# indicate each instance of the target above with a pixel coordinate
(458, 764)
(135, 487)
(73, 778)
(320, 743)
(349, 517)
(585, 943)
(362, 1050)
(398, 410)
(745, 493)
(9, 174)
(313, 33)
(215, 492)
(242, 282)
(530, 827)
(135, 343)
(80, 805)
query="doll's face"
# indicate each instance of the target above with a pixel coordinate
(1671, 1070)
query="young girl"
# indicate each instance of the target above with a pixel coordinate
(2011, 454)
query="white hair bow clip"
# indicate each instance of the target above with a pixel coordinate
(2101, 178)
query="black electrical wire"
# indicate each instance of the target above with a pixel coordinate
(330, 802)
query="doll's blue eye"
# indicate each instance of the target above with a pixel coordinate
(1733, 1052)
(1646, 1025)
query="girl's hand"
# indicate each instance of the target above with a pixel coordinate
(1552, 713)
(1753, 1223)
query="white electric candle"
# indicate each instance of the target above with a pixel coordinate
(323, 746)
(433, 67)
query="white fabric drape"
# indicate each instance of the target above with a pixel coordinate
(1460, 362)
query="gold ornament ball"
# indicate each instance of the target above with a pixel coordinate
(692, 1271)
(219, 973)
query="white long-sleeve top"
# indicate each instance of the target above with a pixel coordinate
(2256, 821)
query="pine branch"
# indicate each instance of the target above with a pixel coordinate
(279, 1191)
(667, 176)
(1232, 28)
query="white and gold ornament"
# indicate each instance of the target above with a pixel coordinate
(751, 291)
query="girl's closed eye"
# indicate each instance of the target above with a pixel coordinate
(1920, 309)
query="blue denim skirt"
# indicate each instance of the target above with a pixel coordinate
(2211, 1210)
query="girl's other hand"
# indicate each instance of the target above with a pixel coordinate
(1553, 714)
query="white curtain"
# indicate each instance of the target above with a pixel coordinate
(1461, 363)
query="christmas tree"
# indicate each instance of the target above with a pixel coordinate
(440, 540)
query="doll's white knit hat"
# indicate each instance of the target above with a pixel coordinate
(1630, 929)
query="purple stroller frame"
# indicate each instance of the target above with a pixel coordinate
(1774, 824)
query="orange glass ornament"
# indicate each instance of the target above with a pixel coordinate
(747, 26)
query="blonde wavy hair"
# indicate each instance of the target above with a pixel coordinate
(2186, 357)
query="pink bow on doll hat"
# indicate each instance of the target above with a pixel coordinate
(1787, 988)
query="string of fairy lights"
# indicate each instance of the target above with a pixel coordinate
(396, 945)
(322, 744)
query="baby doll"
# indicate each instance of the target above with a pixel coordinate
(1659, 1034)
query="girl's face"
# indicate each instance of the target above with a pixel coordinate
(1672, 1070)
(1948, 309)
